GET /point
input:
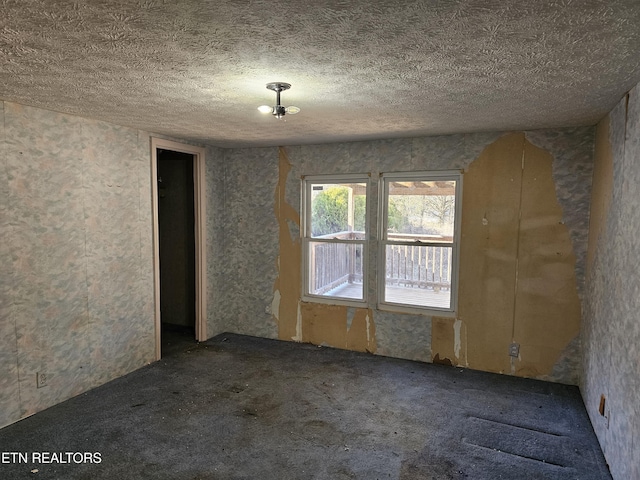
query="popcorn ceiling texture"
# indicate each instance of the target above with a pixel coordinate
(360, 70)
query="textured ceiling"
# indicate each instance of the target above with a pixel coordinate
(360, 69)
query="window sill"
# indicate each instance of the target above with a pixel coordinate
(347, 302)
(426, 311)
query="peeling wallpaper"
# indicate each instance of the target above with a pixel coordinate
(76, 203)
(397, 335)
(517, 266)
(611, 326)
(250, 211)
(77, 302)
(572, 151)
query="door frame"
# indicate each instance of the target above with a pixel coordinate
(199, 195)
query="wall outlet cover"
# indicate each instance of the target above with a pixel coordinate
(41, 379)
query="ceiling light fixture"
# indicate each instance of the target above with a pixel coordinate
(278, 111)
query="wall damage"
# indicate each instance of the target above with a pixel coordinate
(517, 261)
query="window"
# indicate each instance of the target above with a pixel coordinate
(334, 240)
(420, 217)
(418, 222)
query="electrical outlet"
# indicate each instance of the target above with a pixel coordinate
(41, 379)
(514, 350)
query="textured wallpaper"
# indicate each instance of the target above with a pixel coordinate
(572, 151)
(397, 335)
(611, 329)
(215, 207)
(250, 251)
(77, 303)
(9, 392)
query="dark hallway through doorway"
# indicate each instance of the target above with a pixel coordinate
(176, 236)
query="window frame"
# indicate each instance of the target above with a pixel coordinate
(383, 202)
(307, 238)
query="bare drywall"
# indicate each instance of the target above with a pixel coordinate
(338, 326)
(572, 167)
(517, 267)
(602, 188)
(489, 252)
(547, 305)
(449, 344)
(287, 287)
(320, 324)
(513, 224)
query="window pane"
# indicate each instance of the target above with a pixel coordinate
(335, 269)
(418, 275)
(421, 210)
(338, 210)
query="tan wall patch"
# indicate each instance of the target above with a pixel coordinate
(602, 187)
(327, 325)
(316, 323)
(361, 336)
(288, 284)
(517, 267)
(547, 307)
(488, 252)
(449, 341)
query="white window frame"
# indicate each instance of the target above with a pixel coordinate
(385, 179)
(306, 237)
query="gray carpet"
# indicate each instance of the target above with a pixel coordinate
(239, 407)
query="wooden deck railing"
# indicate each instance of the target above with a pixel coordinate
(419, 266)
(335, 264)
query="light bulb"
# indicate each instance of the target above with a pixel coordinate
(265, 109)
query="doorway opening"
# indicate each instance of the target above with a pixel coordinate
(178, 200)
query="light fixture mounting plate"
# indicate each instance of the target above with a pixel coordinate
(278, 86)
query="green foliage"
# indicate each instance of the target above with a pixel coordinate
(329, 212)
(359, 214)
(395, 217)
(406, 213)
